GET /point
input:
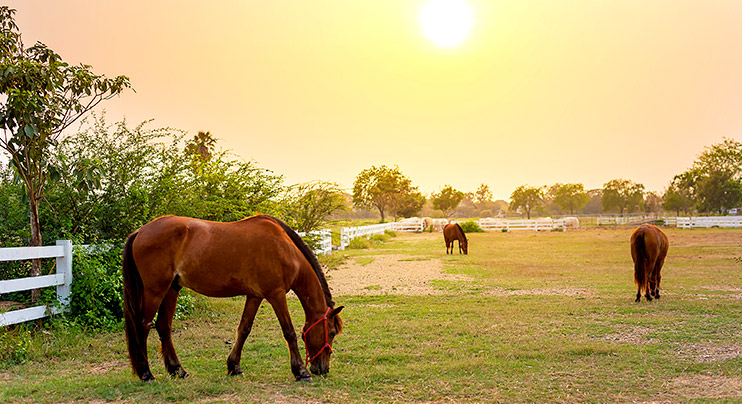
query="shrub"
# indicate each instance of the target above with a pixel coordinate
(390, 233)
(360, 243)
(471, 226)
(96, 296)
(15, 346)
(379, 238)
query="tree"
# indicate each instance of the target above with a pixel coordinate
(569, 197)
(678, 196)
(482, 195)
(306, 206)
(381, 188)
(44, 95)
(409, 204)
(621, 194)
(718, 192)
(526, 198)
(202, 146)
(447, 199)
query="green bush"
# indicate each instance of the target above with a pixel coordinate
(379, 238)
(15, 346)
(471, 226)
(96, 298)
(360, 243)
(390, 233)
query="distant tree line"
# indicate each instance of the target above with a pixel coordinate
(711, 186)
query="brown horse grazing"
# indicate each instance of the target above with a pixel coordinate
(453, 231)
(648, 249)
(259, 257)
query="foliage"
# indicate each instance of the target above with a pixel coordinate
(43, 95)
(569, 197)
(621, 194)
(712, 184)
(470, 226)
(361, 243)
(306, 206)
(527, 198)
(15, 345)
(408, 204)
(201, 147)
(482, 194)
(144, 173)
(447, 199)
(96, 295)
(384, 188)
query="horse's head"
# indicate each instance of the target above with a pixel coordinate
(318, 338)
(464, 245)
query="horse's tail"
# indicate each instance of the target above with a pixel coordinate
(309, 255)
(640, 261)
(133, 289)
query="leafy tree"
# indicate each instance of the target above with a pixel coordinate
(43, 96)
(447, 199)
(409, 204)
(381, 188)
(306, 206)
(526, 198)
(652, 202)
(718, 191)
(201, 147)
(482, 195)
(621, 194)
(569, 197)
(678, 197)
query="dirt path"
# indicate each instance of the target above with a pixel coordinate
(389, 274)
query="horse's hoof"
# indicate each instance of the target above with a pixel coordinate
(235, 372)
(147, 377)
(649, 298)
(305, 379)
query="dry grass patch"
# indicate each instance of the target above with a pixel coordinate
(702, 386)
(704, 353)
(631, 334)
(551, 291)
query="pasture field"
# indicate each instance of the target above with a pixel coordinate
(525, 317)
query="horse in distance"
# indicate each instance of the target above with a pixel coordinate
(649, 247)
(453, 232)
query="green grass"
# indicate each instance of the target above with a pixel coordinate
(544, 317)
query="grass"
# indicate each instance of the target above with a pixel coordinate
(545, 317)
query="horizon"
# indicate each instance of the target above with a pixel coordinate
(537, 94)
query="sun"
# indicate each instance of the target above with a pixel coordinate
(446, 23)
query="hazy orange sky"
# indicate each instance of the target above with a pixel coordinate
(544, 91)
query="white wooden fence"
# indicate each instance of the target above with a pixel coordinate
(62, 280)
(325, 240)
(620, 220)
(349, 233)
(543, 224)
(708, 221)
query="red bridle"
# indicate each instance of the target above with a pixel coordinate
(327, 341)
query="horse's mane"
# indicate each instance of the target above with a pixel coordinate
(309, 255)
(462, 232)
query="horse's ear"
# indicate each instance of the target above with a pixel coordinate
(336, 311)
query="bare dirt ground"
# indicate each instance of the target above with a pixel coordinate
(389, 274)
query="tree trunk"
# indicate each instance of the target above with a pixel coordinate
(35, 241)
(381, 211)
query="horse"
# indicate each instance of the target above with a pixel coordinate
(259, 257)
(571, 221)
(453, 231)
(648, 250)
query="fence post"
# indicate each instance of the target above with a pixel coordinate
(64, 267)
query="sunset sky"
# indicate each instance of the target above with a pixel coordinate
(541, 92)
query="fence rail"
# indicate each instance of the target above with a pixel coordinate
(325, 240)
(523, 224)
(62, 280)
(708, 221)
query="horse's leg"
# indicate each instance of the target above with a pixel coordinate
(164, 327)
(278, 301)
(650, 268)
(150, 304)
(248, 315)
(658, 276)
(449, 244)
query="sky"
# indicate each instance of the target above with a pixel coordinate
(568, 91)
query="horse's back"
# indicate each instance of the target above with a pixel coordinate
(654, 241)
(250, 256)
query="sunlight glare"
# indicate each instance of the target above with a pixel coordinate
(446, 23)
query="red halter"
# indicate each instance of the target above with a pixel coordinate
(327, 342)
